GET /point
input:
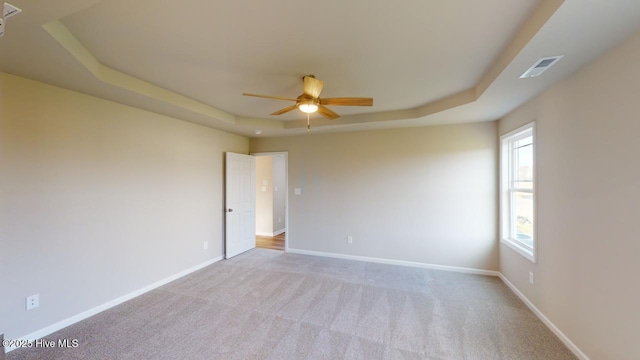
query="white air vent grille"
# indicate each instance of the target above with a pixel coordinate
(8, 11)
(540, 66)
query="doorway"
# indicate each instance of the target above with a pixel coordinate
(271, 201)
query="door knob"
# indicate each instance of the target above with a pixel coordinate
(230, 210)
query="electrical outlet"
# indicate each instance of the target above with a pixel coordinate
(531, 277)
(205, 245)
(349, 239)
(33, 301)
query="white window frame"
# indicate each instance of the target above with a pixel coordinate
(507, 217)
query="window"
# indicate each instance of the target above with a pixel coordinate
(517, 190)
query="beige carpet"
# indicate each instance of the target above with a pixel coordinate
(268, 304)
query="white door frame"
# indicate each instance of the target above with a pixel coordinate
(286, 196)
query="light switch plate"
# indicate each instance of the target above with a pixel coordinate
(297, 191)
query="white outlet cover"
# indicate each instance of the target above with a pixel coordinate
(33, 302)
(206, 245)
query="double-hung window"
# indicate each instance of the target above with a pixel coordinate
(517, 193)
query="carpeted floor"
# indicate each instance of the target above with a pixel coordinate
(268, 304)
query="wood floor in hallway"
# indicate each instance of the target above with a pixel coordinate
(268, 242)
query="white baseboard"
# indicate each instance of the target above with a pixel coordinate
(581, 355)
(268, 234)
(86, 314)
(39, 334)
(545, 320)
(396, 262)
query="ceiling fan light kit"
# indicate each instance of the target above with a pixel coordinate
(308, 106)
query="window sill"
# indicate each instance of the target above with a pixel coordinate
(530, 255)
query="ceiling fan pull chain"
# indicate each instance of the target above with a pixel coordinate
(308, 124)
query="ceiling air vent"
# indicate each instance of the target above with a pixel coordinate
(8, 11)
(541, 66)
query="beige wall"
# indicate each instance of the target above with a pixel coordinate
(426, 195)
(279, 193)
(98, 200)
(586, 278)
(264, 195)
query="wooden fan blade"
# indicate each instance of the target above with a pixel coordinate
(328, 113)
(312, 86)
(347, 101)
(285, 110)
(269, 97)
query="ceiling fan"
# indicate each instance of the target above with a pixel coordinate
(310, 101)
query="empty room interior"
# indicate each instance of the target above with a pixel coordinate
(319, 180)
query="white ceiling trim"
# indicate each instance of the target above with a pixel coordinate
(219, 117)
(117, 78)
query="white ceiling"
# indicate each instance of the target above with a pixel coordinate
(423, 62)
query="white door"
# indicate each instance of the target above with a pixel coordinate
(240, 203)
